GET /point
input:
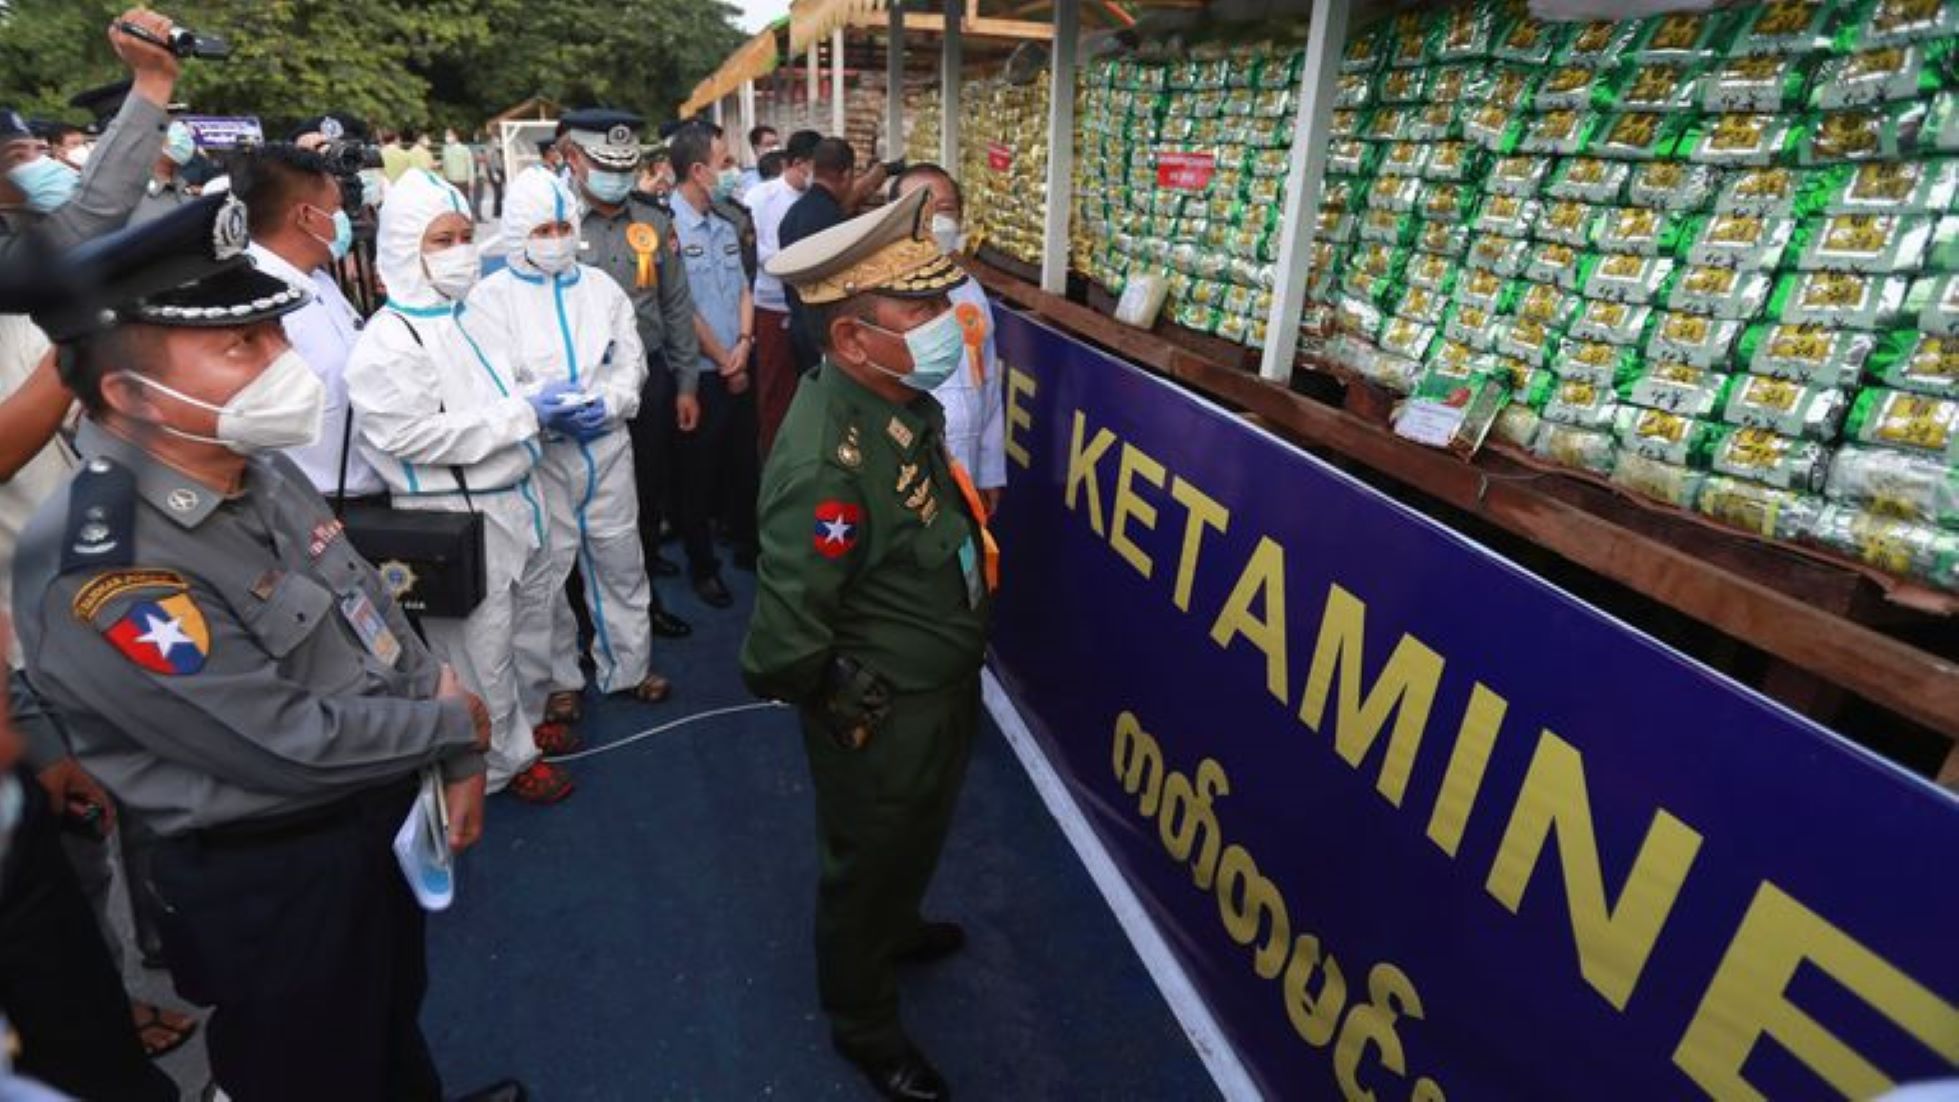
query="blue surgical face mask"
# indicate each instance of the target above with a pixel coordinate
(727, 183)
(342, 241)
(46, 183)
(609, 187)
(178, 145)
(936, 348)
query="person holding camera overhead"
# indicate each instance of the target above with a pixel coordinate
(438, 412)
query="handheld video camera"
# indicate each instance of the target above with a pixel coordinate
(347, 157)
(182, 41)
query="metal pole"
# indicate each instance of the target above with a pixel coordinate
(949, 88)
(1061, 147)
(717, 110)
(748, 119)
(1302, 206)
(837, 121)
(809, 101)
(894, 84)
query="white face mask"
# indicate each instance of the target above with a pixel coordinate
(279, 409)
(454, 270)
(553, 255)
(945, 231)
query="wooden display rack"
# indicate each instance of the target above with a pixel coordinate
(1828, 626)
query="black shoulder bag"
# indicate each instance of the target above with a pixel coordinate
(431, 560)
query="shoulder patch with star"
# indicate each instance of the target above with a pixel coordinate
(165, 635)
(838, 524)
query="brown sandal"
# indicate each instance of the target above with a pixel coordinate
(554, 739)
(653, 690)
(542, 783)
(564, 707)
(161, 1031)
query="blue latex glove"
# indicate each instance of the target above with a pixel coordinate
(552, 416)
(588, 423)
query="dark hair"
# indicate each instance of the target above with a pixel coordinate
(755, 135)
(54, 133)
(273, 178)
(801, 145)
(834, 157)
(771, 164)
(83, 364)
(927, 169)
(691, 145)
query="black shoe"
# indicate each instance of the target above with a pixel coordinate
(906, 1078)
(714, 591)
(931, 941)
(662, 567)
(668, 626)
(508, 1090)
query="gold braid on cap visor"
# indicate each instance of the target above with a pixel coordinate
(908, 269)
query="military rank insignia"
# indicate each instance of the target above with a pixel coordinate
(165, 635)
(837, 525)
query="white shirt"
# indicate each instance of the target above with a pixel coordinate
(768, 203)
(21, 348)
(323, 332)
(975, 413)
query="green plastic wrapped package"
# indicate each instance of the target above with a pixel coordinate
(1419, 304)
(1367, 50)
(1487, 291)
(1815, 354)
(1578, 88)
(1923, 363)
(1407, 338)
(1443, 238)
(1873, 134)
(1341, 193)
(1671, 186)
(1786, 27)
(1679, 487)
(1638, 137)
(1841, 299)
(1442, 380)
(1582, 405)
(1702, 343)
(1404, 158)
(1661, 87)
(1623, 277)
(1446, 357)
(1517, 177)
(1935, 300)
(1883, 75)
(1598, 45)
(1378, 289)
(1506, 256)
(1196, 317)
(1400, 194)
(1468, 33)
(1528, 41)
(1386, 124)
(1528, 340)
(1749, 242)
(1563, 265)
(1462, 84)
(1899, 484)
(1402, 87)
(1410, 42)
(1381, 261)
(1496, 127)
(1615, 323)
(1585, 180)
(1786, 192)
(1454, 162)
(1576, 448)
(1639, 231)
(1896, 187)
(1595, 362)
(1566, 222)
(1523, 378)
(1756, 85)
(1558, 133)
(1517, 424)
(1738, 141)
(1677, 388)
(1872, 244)
(1897, 22)
(1431, 273)
(1765, 511)
(1434, 122)
(1666, 437)
(1472, 326)
(1759, 455)
(1546, 304)
(1350, 157)
(1681, 37)
(1917, 551)
(1354, 91)
(1721, 293)
(1914, 422)
(1804, 411)
(1448, 203)
(1506, 215)
(1358, 316)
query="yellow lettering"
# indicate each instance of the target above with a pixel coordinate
(1613, 941)
(1202, 513)
(1406, 687)
(1481, 721)
(1019, 385)
(1131, 506)
(1263, 580)
(1747, 1000)
(1081, 470)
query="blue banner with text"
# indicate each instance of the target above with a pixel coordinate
(1418, 824)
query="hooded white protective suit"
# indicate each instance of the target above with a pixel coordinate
(432, 399)
(576, 326)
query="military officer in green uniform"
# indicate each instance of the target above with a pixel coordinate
(875, 587)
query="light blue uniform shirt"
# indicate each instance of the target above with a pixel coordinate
(710, 249)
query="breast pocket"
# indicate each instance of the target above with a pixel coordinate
(699, 262)
(289, 615)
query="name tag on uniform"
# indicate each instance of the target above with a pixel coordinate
(969, 568)
(372, 630)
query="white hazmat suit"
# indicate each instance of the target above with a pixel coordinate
(576, 326)
(433, 400)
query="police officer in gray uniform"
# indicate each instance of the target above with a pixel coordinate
(236, 673)
(629, 238)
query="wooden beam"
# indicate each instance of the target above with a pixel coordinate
(934, 23)
(1913, 683)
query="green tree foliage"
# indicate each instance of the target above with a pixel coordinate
(432, 62)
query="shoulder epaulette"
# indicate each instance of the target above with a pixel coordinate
(101, 528)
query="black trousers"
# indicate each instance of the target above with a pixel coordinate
(717, 472)
(58, 985)
(653, 435)
(306, 943)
